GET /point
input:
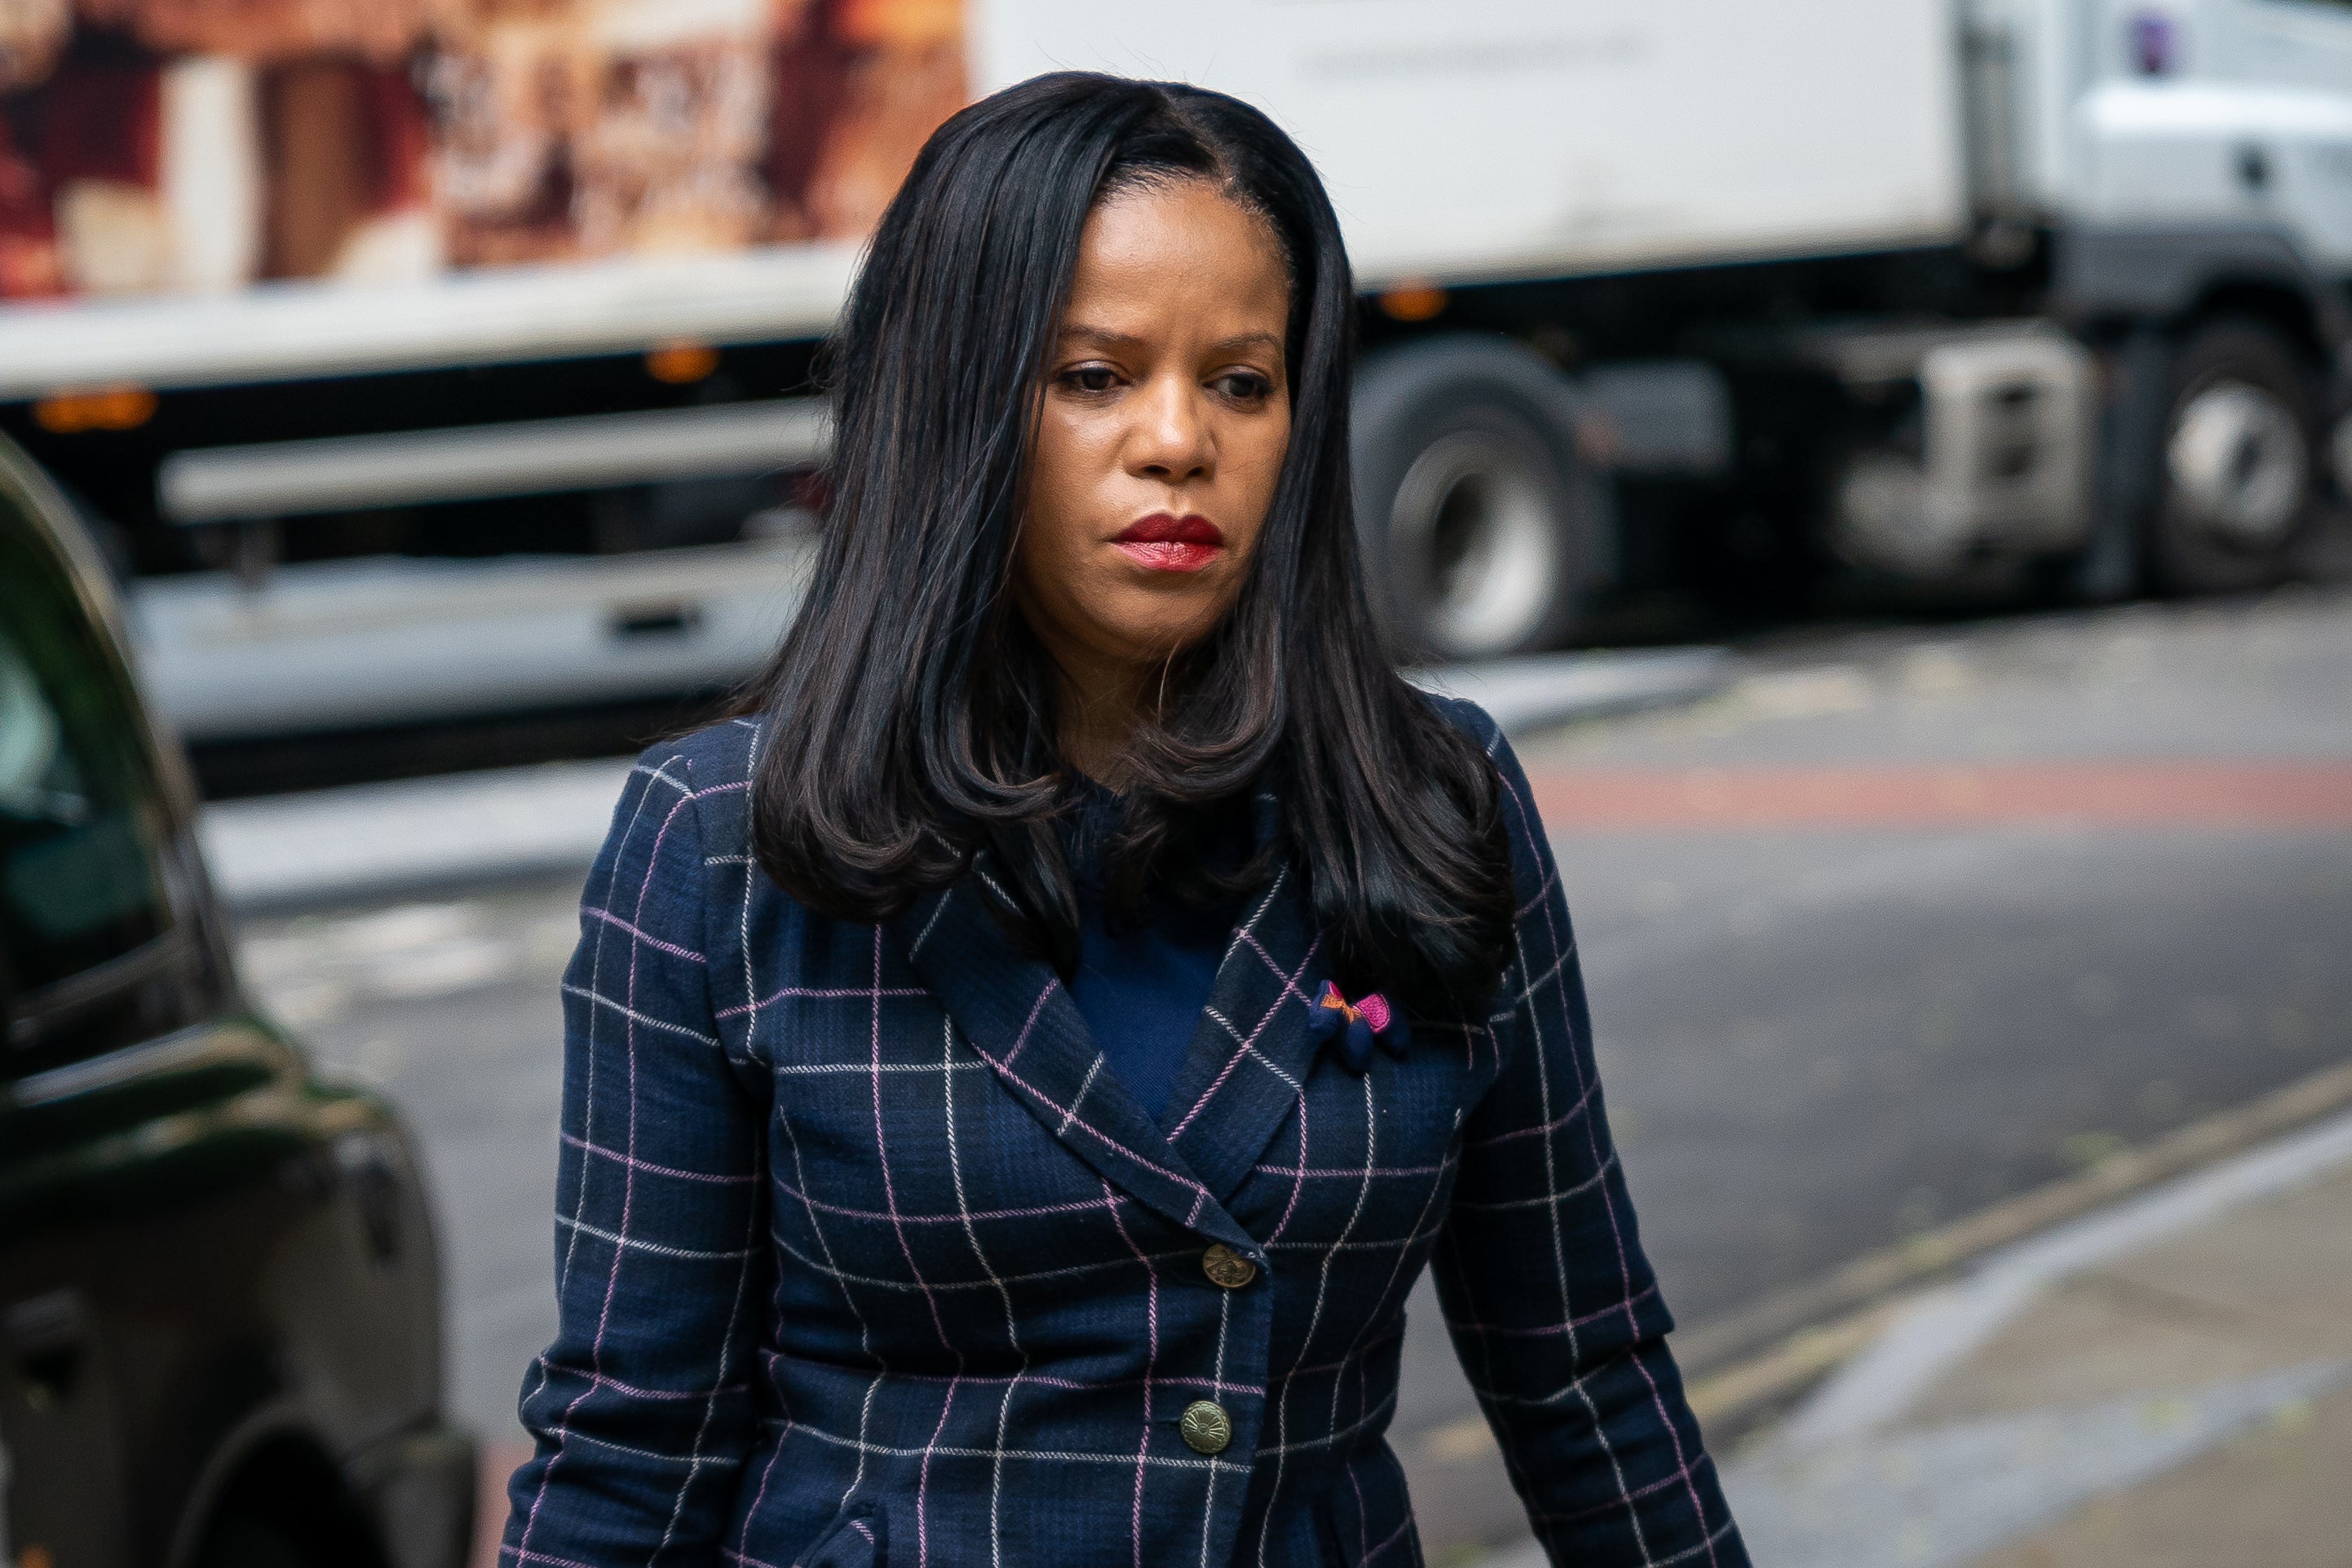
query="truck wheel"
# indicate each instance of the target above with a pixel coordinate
(2236, 470)
(1480, 527)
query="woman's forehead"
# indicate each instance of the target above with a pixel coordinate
(1183, 248)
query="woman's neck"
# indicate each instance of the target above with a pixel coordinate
(1099, 700)
(1099, 704)
(1096, 712)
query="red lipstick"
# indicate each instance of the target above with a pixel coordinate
(1164, 543)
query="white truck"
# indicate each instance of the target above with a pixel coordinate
(432, 361)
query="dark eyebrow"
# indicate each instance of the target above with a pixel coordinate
(1102, 335)
(1107, 339)
(1254, 340)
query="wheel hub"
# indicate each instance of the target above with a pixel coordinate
(1478, 519)
(2239, 464)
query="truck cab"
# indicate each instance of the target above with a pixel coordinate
(2190, 163)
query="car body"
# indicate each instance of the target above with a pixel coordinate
(220, 1336)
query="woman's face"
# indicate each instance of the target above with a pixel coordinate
(1162, 431)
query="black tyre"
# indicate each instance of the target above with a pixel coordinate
(2238, 466)
(1480, 527)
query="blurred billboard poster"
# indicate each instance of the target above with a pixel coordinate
(162, 146)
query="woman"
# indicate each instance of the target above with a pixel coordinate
(1017, 1068)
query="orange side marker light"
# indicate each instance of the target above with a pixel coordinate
(1412, 302)
(102, 408)
(680, 364)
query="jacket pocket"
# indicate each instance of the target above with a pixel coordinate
(858, 1537)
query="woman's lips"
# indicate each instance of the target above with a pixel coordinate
(1161, 542)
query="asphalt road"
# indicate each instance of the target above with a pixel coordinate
(1819, 1036)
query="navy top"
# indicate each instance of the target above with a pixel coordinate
(1141, 980)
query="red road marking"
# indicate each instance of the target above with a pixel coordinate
(2309, 795)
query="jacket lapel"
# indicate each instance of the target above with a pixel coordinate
(1013, 1009)
(1249, 1059)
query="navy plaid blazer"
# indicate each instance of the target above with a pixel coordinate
(864, 1257)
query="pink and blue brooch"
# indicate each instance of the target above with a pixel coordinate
(1352, 1028)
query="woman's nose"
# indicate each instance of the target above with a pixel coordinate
(1171, 441)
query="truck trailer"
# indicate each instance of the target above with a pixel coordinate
(424, 362)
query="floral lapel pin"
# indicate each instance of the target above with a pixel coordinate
(1351, 1027)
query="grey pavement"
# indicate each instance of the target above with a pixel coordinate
(2163, 1382)
(365, 841)
(1816, 1043)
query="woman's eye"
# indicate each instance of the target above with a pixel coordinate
(1243, 386)
(1090, 378)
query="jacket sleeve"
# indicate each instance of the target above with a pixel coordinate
(1553, 1308)
(642, 1407)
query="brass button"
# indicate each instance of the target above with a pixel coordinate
(1225, 1267)
(1206, 1428)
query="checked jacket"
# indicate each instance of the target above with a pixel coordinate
(864, 1258)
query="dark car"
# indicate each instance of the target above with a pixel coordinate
(220, 1335)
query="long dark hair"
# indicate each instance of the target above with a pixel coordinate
(909, 712)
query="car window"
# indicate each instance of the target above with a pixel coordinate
(81, 894)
